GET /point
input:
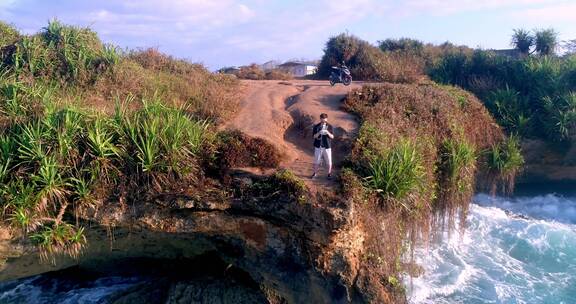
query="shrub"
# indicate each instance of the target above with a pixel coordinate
(397, 173)
(526, 95)
(277, 74)
(236, 149)
(510, 110)
(285, 179)
(458, 161)
(63, 52)
(367, 62)
(153, 59)
(283, 185)
(415, 155)
(59, 238)
(457, 166)
(560, 116)
(8, 34)
(404, 45)
(253, 72)
(522, 40)
(66, 148)
(149, 74)
(504, 161)
(546, 41)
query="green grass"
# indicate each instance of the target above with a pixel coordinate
(529, 96)
(48, 162)
(294, 185)
(398, 173)
(8, 34)
(506, 157)
(458, 159)
(164, 138)
(70, 54)
(59, 237)
(505, 160)
(66, 145)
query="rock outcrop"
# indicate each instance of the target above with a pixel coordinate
(545, 163)
(293, 250)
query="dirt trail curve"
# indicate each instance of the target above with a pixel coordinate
(283, 112)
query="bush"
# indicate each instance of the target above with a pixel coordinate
(162, 139)
(504, 161)
(445, 126)
(529, 96)
(510, 110)
(458, 161)
(236, 149)
(278, 75)
(404, 45)
(152, 59)
(8, 34)
(415, 155)
(281, 186)
(398, 173)
(367, 62)
(457, 166)
(253, 72)
(62, 52)
(83, 125)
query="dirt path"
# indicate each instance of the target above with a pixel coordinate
(283, 112)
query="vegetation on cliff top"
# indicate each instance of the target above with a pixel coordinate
(530, 91)
(84, 125)
(415, 161)
(367, 62)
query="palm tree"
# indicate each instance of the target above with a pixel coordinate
(570, 46)
(546, 41)
(522, 40)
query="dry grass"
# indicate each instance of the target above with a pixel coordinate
(236, 149)
(254, 72)
(148, 74)
(367, 62)
(448, 128)
(278, 75)
(85, 127)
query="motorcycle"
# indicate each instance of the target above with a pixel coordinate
(340, 75)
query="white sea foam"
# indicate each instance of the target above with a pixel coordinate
(514, 250)
(549, 207)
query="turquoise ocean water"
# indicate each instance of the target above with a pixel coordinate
(514, 250)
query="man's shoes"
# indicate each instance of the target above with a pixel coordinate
(329, 176)
(313, 176)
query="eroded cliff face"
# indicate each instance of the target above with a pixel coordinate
(292, 250)
(545, 163)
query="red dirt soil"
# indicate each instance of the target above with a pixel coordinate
(284, 112)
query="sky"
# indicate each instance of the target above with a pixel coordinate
(222, 33)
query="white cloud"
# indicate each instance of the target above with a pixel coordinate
(5, 5)
(216, 12)
(448, 7)
(236, 28)
(556, 13)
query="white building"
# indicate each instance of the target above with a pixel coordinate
(270, 65)
(298, 69)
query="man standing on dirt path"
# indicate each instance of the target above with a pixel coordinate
(323, 135)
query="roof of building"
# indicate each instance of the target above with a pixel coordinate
(295, 63)
(508, 52)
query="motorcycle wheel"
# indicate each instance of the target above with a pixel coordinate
(347, 81)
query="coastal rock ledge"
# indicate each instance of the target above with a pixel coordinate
(274, 249)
